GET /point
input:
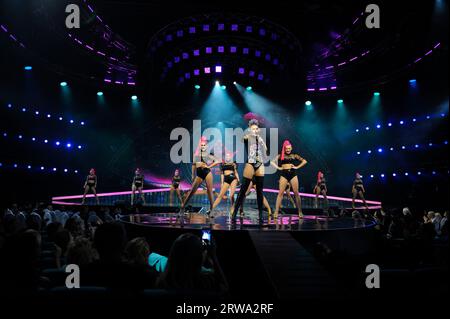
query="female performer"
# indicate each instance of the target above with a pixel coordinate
(358, 190)
(202, 170)
(229, 179)
(137, 185)
(174, 187)
(320, 189)
(288, 175)
(90, 185)
(256, 148)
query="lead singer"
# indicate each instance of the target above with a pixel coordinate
(254, 168)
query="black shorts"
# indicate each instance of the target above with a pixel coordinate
(175, 185)
(91, 186)
(255, 165)
(138, 185)
(202, 172)
(229, 178)
(288, 174)
(359, 189)
(322, 188)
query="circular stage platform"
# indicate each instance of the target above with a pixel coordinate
(249, 222)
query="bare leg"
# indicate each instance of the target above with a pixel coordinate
(209, 189)
(232, 191)
(95, 194)
(195, 185)
(223, 190)
(171, 195)
(316, 191)
(86, 190)
(142, 195)
(353, 198)
(282, 187)
(133, 193)
(324, 193)
(298, 201)
(361, 195)
(179, 195)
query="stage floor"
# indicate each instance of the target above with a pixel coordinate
(221, 221)
(161, 197)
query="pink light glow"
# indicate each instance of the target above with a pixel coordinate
(268, 190)
(417, 60)
(437, 45)
(429, 52)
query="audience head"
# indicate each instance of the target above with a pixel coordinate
(137, 251)
(81, 252)
(109, 240)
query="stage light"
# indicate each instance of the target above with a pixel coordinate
(367, 128)
(9, 106)
(428, 117)
(134, 97)
(82, 123)
(393, 174)
(57, 143)
(414, 120)
(20, 137)
(416, 146)
(430, 144)
(217, 83)
(24, 109)
(29, 166)
(28, 68)
(419, 173)
(42, 168)
(197, 87)
(382, 175)
(434, 173)
(376, 93)
(68, 145)
(218, 69)
(46, 141)
(378, 125)
(340, 101)
(442, 114)
(357, 130)
(60, 118)
(76, 171)
(358, 153)
(401, 122)
(49, 116)
(79, 147)
(308, 103)
(63, 84)
(412, 81)
(223, 87)
(380, 150)
(249, 88)
(445, 142)
(99, 93)
(391, 149)
(369, 151)
(54, 169)
(234, 82)
(33, 139)
(406, 174)
(371, 176)
(5, 134)
(15, 165)
(37, 112)
(389, 124)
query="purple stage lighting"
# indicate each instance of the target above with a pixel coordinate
(241, 71)
(207, 70)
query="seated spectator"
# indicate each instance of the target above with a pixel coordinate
(19, 267)
(110, 270)
(81, 252)
(184, 266)
(52, 229)
(34, 221)
(75, 226)
(62, 241)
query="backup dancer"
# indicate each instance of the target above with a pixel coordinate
(358, 190)
(320, 189)
(229, 179)
(201, 171)
(288, 175)
(174, 187)
(137, 185)
(90, 185)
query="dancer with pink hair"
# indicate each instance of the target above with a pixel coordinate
(286, 164)
(90, 185)
(201, 171)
